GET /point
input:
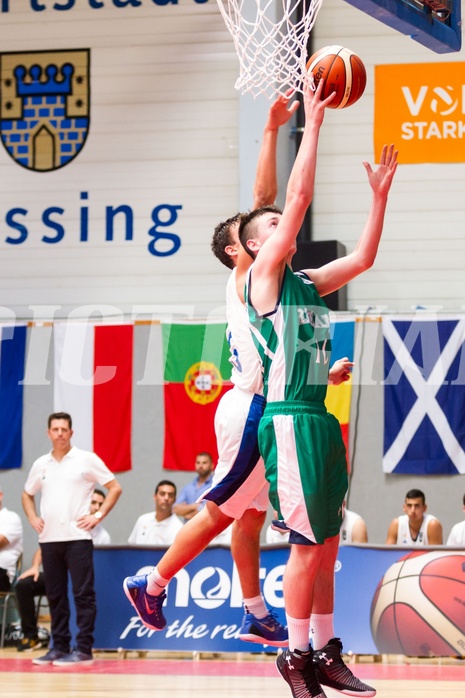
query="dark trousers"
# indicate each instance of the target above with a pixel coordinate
(4, 580)
(75, 557)
(26, 590)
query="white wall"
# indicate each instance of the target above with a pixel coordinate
(164, 124)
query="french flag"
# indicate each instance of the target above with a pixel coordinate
(93, 383)
(12, 356)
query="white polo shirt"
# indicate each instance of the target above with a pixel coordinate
(149, 531)
(12, 529)
(66, 487)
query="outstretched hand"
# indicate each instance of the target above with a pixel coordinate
(281, 110)
(381, 179)
(340, 371)
(314, 104)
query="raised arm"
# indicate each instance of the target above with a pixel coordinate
(299, 192)
(333, 275)
(266, 181)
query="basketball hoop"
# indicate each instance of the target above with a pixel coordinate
(270, 37)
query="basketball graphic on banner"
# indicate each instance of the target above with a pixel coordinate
(419, 606)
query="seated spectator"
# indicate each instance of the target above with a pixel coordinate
(353, 528)
(186, 504)
(159, 527)
(100, 535)
(11, 544)
(415, 527)
(457, 534)
(30, 584)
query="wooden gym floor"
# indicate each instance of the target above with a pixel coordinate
(225, 676)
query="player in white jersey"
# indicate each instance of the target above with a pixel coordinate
(239, 490)
(415, 527)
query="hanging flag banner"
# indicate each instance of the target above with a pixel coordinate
(424, 396)
(12, 356)
(196, 375)
(338, 396)
(93, 383)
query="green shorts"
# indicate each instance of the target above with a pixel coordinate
(305, 463)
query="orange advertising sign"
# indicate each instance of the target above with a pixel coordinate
(420, 107)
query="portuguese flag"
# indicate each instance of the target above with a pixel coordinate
(338, 397)
(196, 375)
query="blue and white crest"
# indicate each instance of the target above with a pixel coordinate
(44, 107)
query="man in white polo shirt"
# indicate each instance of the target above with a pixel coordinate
(159, 527)
(11, 544)
(66, 478)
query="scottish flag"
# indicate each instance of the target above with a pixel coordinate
(424, 396)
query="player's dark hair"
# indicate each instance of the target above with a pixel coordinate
(222, 238)
(60, 415)
(165, 482)
(100, 492)
(415, 494)
(248, 227)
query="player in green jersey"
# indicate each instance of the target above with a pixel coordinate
(300, 442)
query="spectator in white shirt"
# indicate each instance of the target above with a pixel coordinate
(65, 479)
(457, 534)
(11, 544)
(159, 527)
(353, 527)
(100, 535)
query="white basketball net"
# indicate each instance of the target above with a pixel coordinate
(270, 37)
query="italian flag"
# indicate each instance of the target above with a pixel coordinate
(93, 383)
(338, 397)
(196, 376)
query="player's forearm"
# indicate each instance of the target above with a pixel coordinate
(367, 246)
(266, 182)
(302, 178)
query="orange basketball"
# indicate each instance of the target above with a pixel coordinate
(418, 608)
(343, 73)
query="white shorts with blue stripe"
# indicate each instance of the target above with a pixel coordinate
(239, 479)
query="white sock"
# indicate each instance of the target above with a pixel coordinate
(256, 606)
(298, 629)
(321, 629)
(156, 583)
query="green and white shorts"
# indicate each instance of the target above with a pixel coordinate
(305, 464)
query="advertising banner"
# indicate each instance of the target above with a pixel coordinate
(421, 111)
(388, 600)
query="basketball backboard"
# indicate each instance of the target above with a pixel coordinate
(434, 23)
